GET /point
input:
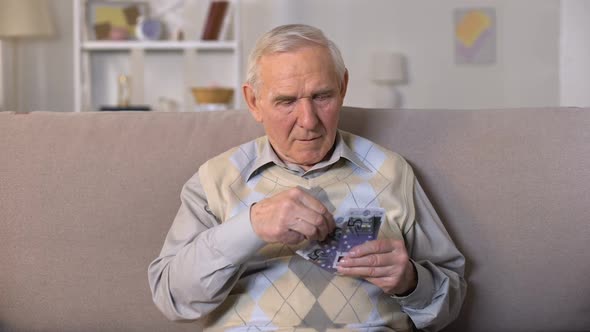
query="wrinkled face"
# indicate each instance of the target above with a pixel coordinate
(298, 103)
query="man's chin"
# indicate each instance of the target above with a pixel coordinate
(310, 160)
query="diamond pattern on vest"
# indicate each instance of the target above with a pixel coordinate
(304, 295)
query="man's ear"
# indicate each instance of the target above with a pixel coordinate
(251, 101)
(344, 84)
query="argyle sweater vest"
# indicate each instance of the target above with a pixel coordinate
(280, 291)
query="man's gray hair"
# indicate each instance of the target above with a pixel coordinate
(288, 38)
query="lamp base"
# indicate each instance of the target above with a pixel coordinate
(387, 96)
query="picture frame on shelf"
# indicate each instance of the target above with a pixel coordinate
(114, 20)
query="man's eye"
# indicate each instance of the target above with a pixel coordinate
(322, 97)
(286, 102)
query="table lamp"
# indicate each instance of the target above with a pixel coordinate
(21, 19)
(388, 70)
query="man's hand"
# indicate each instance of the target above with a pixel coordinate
(384, 263)
(291, 217)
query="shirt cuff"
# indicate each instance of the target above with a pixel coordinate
(422, 295)
(236, 240)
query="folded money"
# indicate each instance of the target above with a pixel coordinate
(356, 227)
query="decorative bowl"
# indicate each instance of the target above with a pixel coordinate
(212, 95)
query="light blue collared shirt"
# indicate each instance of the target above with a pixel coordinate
(340, 150)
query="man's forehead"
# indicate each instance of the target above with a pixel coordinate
(282, 72)
(293, 57)
(293, 88)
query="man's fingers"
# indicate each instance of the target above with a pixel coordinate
(375, 247)
(372, 260)
(314, 204)
(377, 258)
(384, 263)
(329, 218)
(293, 210)
(309, 201)
(314, 212)
(366, 272)
(293, 237)
(309, 231)
(316, 220)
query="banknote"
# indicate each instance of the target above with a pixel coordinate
(323, 253)
(357, 226)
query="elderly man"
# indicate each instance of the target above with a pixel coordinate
(229, 258)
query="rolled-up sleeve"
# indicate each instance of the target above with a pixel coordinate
(201, 259)
(440, 266)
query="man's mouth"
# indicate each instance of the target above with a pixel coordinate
(309, 139)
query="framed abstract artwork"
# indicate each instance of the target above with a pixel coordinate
(475, 36)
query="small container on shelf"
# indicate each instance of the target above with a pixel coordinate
(212, 98)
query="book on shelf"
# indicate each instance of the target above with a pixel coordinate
(216, 15)
(225, 33)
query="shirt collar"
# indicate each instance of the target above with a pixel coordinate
(268, 156)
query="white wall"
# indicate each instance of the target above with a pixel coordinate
(575, 53)
(526, 73)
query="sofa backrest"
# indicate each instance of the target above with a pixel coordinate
(513, 189)
(87, 198)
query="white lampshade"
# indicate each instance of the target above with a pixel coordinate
(25, 18)
(387, 67)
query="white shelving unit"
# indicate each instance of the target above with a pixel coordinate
(88, 54)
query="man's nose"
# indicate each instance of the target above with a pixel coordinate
(307, 116)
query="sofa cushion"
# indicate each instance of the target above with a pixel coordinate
(87, 199)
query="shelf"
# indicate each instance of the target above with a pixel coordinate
(97, 63)
(159, 45)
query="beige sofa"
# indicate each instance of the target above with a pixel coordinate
(86, 200)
